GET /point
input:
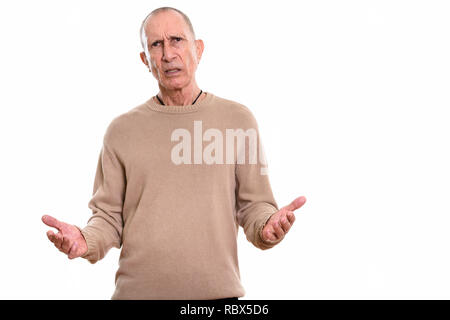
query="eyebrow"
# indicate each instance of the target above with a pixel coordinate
(171, 37)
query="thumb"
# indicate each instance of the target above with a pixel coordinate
(52, 222)
(297, 203)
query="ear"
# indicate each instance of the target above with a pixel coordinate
(199, 46)
(144, 60)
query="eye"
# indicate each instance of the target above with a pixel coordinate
(178, 39)
(154, 44)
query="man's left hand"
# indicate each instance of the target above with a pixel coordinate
(280, 222)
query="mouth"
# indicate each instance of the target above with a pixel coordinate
(170, 72)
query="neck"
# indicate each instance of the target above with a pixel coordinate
(179, 97)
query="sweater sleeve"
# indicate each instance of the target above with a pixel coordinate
(255, 203)
(104, 227)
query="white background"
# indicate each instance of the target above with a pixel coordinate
(352, 101)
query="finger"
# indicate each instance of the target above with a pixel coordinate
(58, 240)
(268, 234)
(73, 251)
(66, 244)
(291, 217)
(51, 222)
(297, 203)
(285, 224)
(51, 236)
(278, 230)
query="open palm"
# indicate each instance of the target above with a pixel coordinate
(281, 221)
(68, 240)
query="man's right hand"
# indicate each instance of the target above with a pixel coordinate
(68, 239)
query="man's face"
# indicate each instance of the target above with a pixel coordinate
(174, 53)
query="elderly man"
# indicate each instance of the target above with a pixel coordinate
(176, 177)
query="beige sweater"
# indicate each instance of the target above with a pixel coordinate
(171, 190)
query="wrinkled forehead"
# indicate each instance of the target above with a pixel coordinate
(166, 24)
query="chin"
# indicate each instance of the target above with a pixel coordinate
(174, 84)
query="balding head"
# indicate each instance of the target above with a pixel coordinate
(143, 32)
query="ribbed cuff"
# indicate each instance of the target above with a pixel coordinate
(92, 249)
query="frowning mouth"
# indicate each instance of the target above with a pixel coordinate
(171, 72)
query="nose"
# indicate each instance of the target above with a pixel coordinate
(168, 52)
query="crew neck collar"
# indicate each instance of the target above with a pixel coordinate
(152, 104)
